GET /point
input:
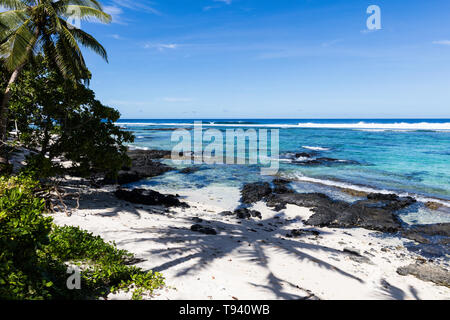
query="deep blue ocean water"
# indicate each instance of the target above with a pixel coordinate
(405, 156)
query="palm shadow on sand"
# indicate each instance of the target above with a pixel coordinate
(251, 237)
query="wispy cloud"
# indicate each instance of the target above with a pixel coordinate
(442, 42)
(115, 13)
(227, 2)
(116, 36)
(161, 46)
(138, 5)
(116, 9)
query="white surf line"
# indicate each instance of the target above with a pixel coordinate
(360, 125)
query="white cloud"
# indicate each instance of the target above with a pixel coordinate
(116, 36)
(137, 5)
(116, 9)
(225, 1)
(442, 42)
(161, 46)
(115, 13)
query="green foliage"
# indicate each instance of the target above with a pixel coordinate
(62, 120)
(41, 26)
(35, 254)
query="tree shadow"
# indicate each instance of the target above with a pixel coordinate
(252, 239)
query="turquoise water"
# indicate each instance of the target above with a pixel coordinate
(402, 156)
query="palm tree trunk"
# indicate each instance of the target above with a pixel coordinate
(4, 114)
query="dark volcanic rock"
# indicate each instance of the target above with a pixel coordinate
(427, 272)
(436, 234)
(244, 213)
(356, 256)
(226, 213)
(303, 155)
(324, 161)
(376, 213)
(140, 157)
(302, 232)
(310, 200)
(144, 164)
(203, 229)
(415, 236)
(433, 205)
(254, 192)
(149, 197)
(437, 229)
(345, 215)
(382, 197)
(189, 170)
(281, 186)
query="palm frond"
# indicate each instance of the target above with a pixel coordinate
(86, 40)
(87, 13)
(61, 4)
(17, 47)
(13, 4)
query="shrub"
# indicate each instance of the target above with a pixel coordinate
(35, 254)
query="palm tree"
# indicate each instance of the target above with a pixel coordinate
(32, 27)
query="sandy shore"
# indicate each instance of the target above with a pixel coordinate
(250, 259)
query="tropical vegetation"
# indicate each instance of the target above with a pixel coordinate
(46, 101)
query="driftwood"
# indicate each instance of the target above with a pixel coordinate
(55, 198)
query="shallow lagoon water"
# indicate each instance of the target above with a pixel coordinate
(383, 157)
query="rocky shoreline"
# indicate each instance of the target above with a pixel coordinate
(376, 212)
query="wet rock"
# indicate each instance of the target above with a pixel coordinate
(354, 193)
(140, 157)
(303, 155)
(189, 170)
(149, 197)
(344, 215)
(438, 233)
(382, 197)
(309, 200)
(244, 213)
(433, 205)
(144, 164)
(415, 236)
(427, 272)
(254, 192)
(203, 229)
(375, 213)
(325, 161)
(437, 229)
(282, 186)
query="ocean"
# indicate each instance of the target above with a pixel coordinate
(402, 156)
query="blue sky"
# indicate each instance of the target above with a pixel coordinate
(273, 59)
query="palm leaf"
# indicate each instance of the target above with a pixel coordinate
(18, 45)
(87, 13)
(87, 40)
(13, 4)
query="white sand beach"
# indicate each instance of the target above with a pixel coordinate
(249, 259)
